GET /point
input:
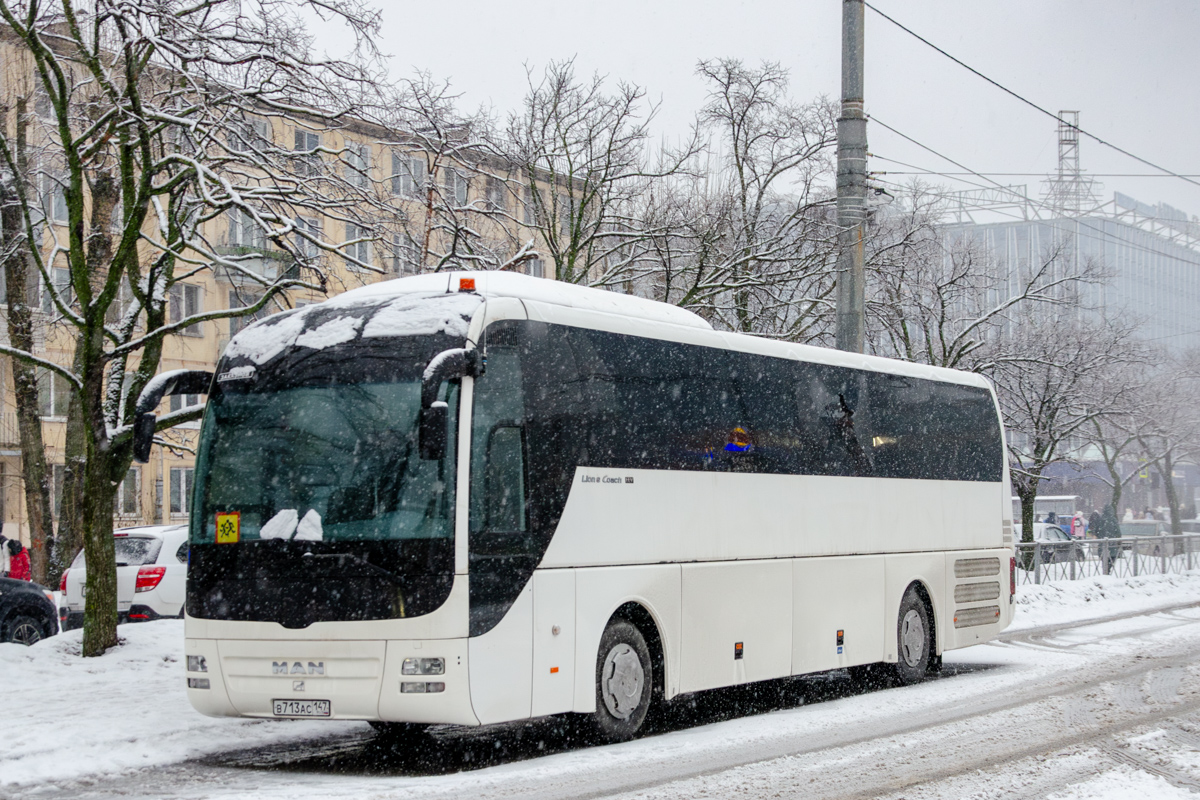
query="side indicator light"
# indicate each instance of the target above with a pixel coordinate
(422, 687)
(466, 284)
(553, 670)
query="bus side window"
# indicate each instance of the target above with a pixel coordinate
(504, 479)
(499, 405)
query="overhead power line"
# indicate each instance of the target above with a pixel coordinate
(1029, 102)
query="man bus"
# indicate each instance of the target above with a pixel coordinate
(472, 498)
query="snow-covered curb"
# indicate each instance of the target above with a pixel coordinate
(1101, 595)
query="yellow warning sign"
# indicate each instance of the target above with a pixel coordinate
(229, 527)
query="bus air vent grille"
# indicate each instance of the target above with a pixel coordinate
(970, 617)
(975, 592)
(976, 567)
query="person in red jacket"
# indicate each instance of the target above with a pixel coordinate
(18, 561)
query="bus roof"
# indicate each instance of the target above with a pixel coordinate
(654, 319)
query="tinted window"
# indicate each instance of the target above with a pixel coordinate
(651, 404)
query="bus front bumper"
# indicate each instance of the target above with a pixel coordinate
(393, 681)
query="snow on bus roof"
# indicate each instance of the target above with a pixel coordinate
(524, 287)
(342, 320)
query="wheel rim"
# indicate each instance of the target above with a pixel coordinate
(912, 638)
(26, 633)
(622, 681)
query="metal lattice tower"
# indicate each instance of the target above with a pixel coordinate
(1068, 192)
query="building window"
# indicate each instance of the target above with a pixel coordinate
(129, 491)
(248, 134)
(358, 161)
(184, 402)
(535, 267)
(406, 255)
(181, 401)
(62, 287)
(181, 490)
(310, 163)
(242, 299)
(54, 394)
(244, 231)
(408, 175)
(530, 211)
(307, 236)
(54, 197)
(358, 253)
(497, 195)
(455, 184)
(185, 302)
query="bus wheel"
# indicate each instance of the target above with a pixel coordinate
(624, 682)
(913, 640)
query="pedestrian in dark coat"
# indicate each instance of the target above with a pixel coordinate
(1109, 528)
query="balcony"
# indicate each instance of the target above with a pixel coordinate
(270, 264)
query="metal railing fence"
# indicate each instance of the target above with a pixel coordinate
(1130, 556)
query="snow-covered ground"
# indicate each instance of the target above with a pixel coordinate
(73, 721)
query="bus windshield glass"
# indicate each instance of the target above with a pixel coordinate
(312, 500)
(327, 463)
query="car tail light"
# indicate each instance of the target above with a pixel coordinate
(62, 585)
(148, 578)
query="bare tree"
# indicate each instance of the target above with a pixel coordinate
(1053, 379)
(1169, 428)
(157, 121)
(580, 154)
(770, 270)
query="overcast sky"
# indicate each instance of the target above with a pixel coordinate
(1129, 67)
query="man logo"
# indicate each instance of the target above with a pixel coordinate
(297, 668)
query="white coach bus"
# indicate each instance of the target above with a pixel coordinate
(472, 498)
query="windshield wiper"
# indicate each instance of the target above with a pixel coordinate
(341, 558)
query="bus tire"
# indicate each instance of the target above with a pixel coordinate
(914, 640)
(624, 682)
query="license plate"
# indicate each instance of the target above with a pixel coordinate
(300, 708)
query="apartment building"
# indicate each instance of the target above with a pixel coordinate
(422, 205)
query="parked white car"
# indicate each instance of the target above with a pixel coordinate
(151, 575)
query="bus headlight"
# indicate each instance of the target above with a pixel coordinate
(197, 664)
(423, 666)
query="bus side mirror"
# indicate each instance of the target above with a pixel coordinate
(143, 436)
(180, 381)
(433, 434)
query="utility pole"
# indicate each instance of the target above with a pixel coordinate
(851, 183)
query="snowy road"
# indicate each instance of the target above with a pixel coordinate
(1074, 710)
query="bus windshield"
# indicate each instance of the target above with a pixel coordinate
(312, 500)
(322, 463)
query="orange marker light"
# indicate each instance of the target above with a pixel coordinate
(466, 284)
(553, 670)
